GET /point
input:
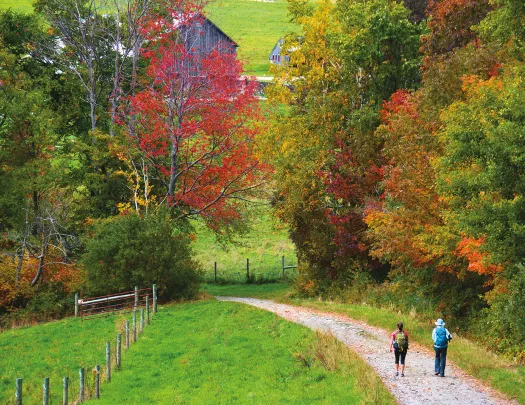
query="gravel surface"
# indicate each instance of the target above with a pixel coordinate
(419, 386)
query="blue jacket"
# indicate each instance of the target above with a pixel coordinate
(434, 337)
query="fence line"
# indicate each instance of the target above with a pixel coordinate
(85, 392)
(93, 307)
(250, 275)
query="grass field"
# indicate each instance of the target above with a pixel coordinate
(265, 244)
(54, 350)
(502, 374)
(23, 6)
(227, 353)
(192, 353)
(256, 25)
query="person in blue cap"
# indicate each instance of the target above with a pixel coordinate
(441, 336)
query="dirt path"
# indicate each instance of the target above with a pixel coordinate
(420, 386)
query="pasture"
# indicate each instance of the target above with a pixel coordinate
(264, 243)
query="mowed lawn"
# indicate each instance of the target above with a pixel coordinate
(54, 350)
(212, 352)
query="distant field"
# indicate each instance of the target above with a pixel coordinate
(17, 5)
(256, 25)
(265, 244)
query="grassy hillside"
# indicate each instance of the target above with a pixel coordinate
(54, 350)
(23, 6)
(502, 374)
(221, 352)
(256, 25)
(265, 243)
(199, 353)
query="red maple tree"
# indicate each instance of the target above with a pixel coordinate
(196, 118)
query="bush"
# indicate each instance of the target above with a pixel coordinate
(502, 325)
(128, 251)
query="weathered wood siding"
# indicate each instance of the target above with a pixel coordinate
(204, 37)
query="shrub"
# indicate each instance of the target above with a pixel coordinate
(128, 251)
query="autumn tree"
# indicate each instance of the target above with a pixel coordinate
(195, 119)
(350, 57)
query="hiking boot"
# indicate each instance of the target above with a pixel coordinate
(402, 374)
(397, 373)
(436, 373)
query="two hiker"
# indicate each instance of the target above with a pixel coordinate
(440, 335)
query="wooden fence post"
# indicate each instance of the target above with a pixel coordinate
(65, 395)
(97, 381)
(147, 309)
(154, 298)
(136, 296)
(134, 325)
(18, 393)
(108, 361)
(248, 269)
(141, 320)
(46, 391)
(127, 334)
(76, 304)
(119, 349)
(283, 265)
(81, 393)
(215, 272)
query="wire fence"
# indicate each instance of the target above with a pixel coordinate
(250, 273)
(87, 383)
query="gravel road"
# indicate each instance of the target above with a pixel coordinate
(419, 386)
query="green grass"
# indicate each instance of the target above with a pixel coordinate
(255, 25)
(221, 352)
(23, 6)
(264, 245)
(268, 291)
(502, 374)
(54, 350)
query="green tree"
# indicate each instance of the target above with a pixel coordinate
(127, 251)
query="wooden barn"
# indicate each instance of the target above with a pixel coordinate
(203, 36)
(276, 56)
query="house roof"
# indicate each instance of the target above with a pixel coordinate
(222, 32)
(177, 22)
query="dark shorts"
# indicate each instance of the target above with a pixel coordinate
(400, 356)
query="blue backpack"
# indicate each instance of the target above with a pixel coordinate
(441, 338)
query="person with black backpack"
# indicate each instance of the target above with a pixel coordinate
(399, 343)
(441, 336)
